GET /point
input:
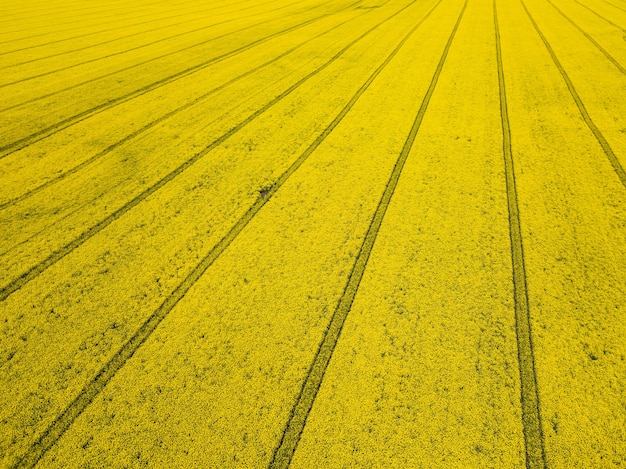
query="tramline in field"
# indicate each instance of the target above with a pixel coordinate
(313, 234)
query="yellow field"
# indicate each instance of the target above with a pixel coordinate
(313, 234)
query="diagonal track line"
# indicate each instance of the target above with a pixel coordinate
(608, 151)
(135, 134)
(233, 18)
(30, 20)
(53, 258)
(54, 10)
(529, 396)
(614, 5)
(93, 388)
(601, 17)
(171, 53)
(147, 44)
(164, 117)
(39, 24)
(72, 120)
(300, 411)
(591, 39)
(141, 23)
(47, 12)
(30, 28)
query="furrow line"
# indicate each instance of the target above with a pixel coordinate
(166, 116)
(300, 411)
(608, 151)
(53, 258)
(52, 10)
(21, 80)
(126, 37)
(38, 25)
(97, 384)
(529, 395)
(81, 21)
(615, 6)
(55, 10)
(591, 39)
(91, 33)
(38, 233)
(600, 16)
(153, 59)
(72, 14)
(68, 122)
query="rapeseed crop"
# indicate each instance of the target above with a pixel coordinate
(369, 233)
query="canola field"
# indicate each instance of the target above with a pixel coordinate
(313, 234)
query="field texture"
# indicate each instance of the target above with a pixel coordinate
(313, 234)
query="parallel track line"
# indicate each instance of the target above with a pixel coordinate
(152, 59)
(47, 15)
(72, 120)
(615, 6)
(59, 254)
(591, 39)
(115, 54)
(529, 395)
(54, 10)
(161, 119)
(93, 388)
(600, 16)
(126, 37)
(36, 26)
(310, 387)
(608, 151)
(141, 23)
(30, 28)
